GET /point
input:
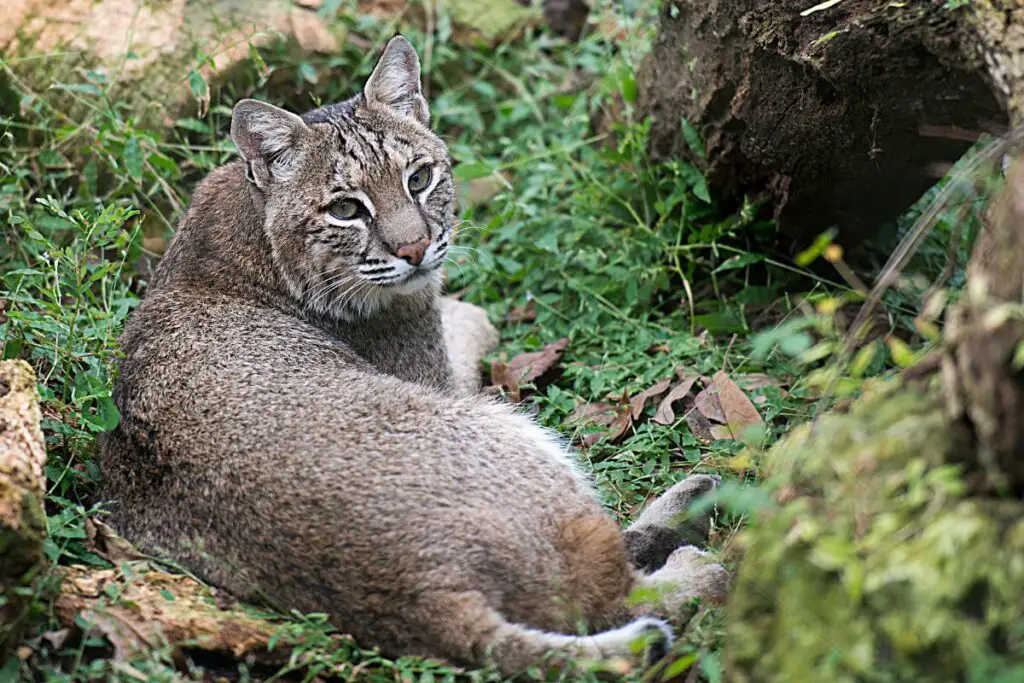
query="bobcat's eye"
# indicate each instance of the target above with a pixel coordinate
(419, 180)
(345, 209)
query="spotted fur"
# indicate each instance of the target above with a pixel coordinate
(293, 426)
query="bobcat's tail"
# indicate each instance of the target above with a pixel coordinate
(513, 647)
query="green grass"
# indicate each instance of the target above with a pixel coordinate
(634, 262)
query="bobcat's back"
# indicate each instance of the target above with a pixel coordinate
(291, 425)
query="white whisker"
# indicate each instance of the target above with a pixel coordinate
(349, 295)
(325, 289)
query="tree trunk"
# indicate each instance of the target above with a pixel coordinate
(827, 112)
(22, 520)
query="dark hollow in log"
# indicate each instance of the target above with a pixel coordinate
(822, 113)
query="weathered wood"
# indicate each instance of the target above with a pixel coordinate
(839, 115)
(22, 519)
(984, 384)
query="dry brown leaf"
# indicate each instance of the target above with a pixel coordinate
(616, 417)
(523, 314)
(699, 425)
(56, 639)
(708, 404)
(623, 419)
(106, 543)
(740, 413)
(312, 33)
(503, 377)
(665, 415)
(596, 413)
(527, 367)
(721, 432)
(639, 402)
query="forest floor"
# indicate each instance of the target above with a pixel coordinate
(645, 301)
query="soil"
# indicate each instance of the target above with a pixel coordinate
(823, 113)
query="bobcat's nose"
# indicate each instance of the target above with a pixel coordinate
(413, 253)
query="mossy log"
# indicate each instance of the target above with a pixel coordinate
(839, 113)
(875, 564)
(894, 550)
(22, 520)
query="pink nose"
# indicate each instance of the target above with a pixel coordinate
(413, 253)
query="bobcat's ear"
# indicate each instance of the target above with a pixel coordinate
(395, 81)
(266, 137)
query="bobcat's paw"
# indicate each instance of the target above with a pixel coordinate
(690, 577)
(668, 523)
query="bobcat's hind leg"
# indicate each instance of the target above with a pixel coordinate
(468, 336)
(666, 524)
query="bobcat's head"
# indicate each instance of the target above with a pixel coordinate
(359, 200)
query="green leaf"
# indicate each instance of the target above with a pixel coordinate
(678, 667)
(832, 552)
(510, 265)
(90, 174)
(711, 667)
(724, 322)
(862, 361)
(564, 102)
(742, 499)
(901, 353)
(164, 163)
(764, 342)
(700, 190)
(796, 344)
(87, 88)
(197, 84)
(133, 158)
(739, 261)
(549, 242)
(1018, 357)
(628, 86)
(194, 125)
(692, 138)
(472, 170)
(308, 73)
(817, 248)
(10, 670)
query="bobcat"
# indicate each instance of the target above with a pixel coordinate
(298, 418)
